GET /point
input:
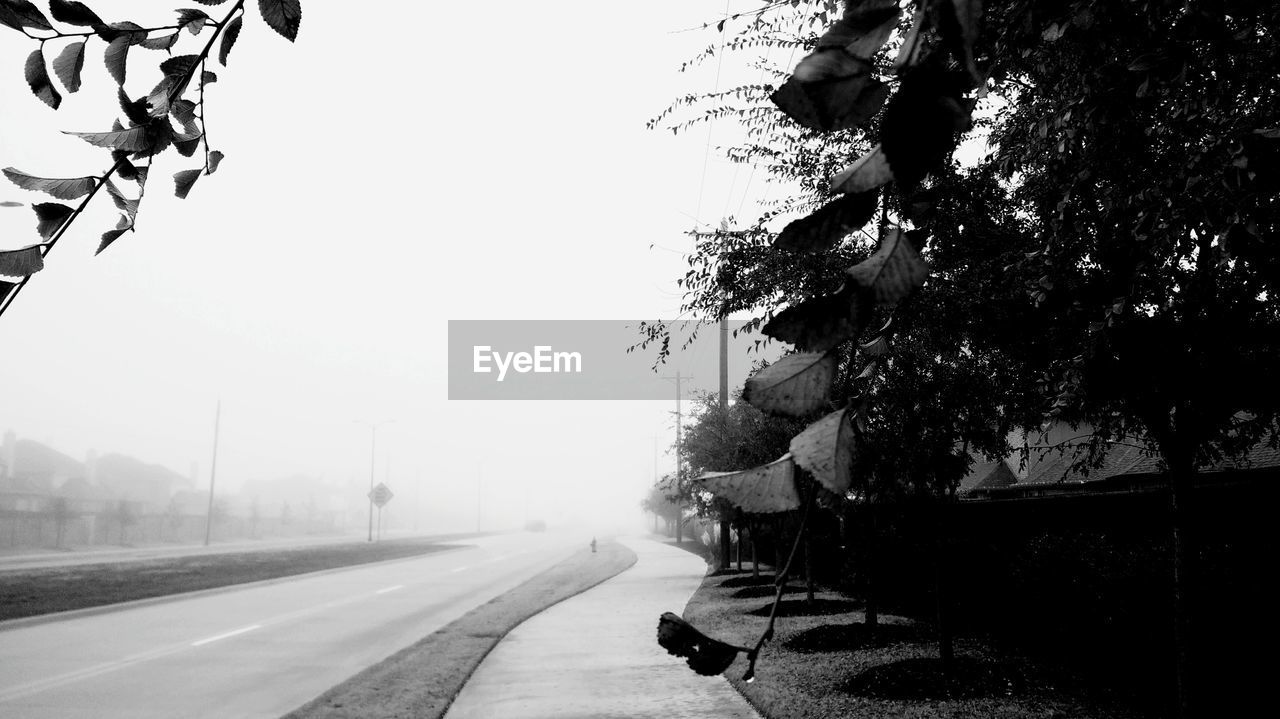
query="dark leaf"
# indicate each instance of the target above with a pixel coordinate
(876, 347)
(124, 169)
(50, 216)
(187, 147)
(869, 172)
(133, 139)
(68, 64)
(767, 489)
(229, 39)
(164, 42)
(184, 111)
(134, 110)
(183, 180)
(835, 104)
(831, 223)
(38, 79)
(215, 159)
(830, 64)
(21, 263)
(132, 30)
(820, 323)
(918, 128)
(795, 385)
(61, 188)
(208, 77)
(825, 450)
(959, 22)
(127, 205)
(211, 2)
(112, 235)
(116, 57)
(282, 15)
(192, 19)
(179, 64)
(705, 655)
(10, 203)
(158, 99)
(18, 14)
(158, 137)
(74, 13)
(864, 29)
(1147, 61)
(893, 271)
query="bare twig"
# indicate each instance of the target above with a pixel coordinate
(780, 581)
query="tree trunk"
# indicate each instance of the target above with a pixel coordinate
(946, 644)
(869, 569)
(679, 525)
(808, 568)
(777, 548)
(1180, 477)
(724, 545)
(738, 546)
(755, 555)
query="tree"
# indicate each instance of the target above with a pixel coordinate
(734, 438)
(1145, 140)
(173, 516)
(1136, 143)
(124, 516)
(172, 114)
(59, 508)
(662, 502)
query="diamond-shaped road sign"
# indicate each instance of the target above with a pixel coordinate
(381, 494)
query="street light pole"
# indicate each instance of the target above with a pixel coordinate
(213, 473)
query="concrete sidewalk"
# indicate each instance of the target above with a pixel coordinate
(596, 655)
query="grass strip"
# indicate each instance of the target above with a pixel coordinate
(32, 592)
(823, 662)
(422, 680)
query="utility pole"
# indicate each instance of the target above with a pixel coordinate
(373, 458)
(724, 414)
(679, 441)
(724, 363)
(213, 473)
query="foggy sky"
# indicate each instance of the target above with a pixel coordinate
(444, 163)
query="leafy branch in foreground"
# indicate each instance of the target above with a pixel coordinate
(838, 87)
(162, 118)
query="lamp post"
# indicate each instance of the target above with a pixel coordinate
(373, 454)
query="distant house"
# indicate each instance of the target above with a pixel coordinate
(37, 463)
(132, 479)
(1049, 468)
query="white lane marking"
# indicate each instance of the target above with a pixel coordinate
(227, 635)
(389, 589)
(458, 569)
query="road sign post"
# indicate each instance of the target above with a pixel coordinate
(380, 495)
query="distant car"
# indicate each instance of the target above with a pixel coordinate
(535, 525)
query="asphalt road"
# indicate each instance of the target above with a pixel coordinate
(257, 651)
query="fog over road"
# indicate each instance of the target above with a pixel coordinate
(257, 651)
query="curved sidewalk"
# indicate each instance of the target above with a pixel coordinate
(596, 655)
